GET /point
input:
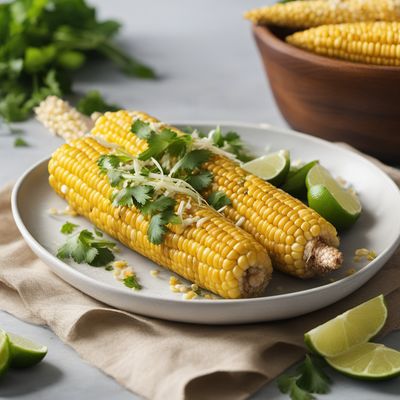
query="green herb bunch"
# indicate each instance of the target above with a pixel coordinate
(42, 42)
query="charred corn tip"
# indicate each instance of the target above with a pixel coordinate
(365, 42)
(217, 256)
(305, 14)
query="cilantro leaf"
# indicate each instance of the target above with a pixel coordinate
(132, 282)
(218, 200)
(159, 205)
(157, 144)
(78, 248)
(108, 162)
(12, 107)
(19, 142)
(68, 228)
(103, 257)
(194, 159)
(158, 226)
(313, 379)
(288, 385)
(137, 195)
(232, 143)
(114, 177)
(141, 129)
(200, 181)
(83, 247)
(94, 102)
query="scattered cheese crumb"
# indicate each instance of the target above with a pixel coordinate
(154, 273)
(64, 189)
(190, 295)
(119, 264)
(351, 271)
(174, 281)
(240, 221)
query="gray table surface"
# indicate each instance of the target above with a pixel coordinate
(209, 70)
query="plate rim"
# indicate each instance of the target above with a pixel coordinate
(385, 254)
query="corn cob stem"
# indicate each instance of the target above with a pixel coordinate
(306, 14)
(217, 255)
(321, 257)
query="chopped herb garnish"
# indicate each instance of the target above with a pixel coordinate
(132, 283)
(218, 200)
(98, 232)
(68, 228)
(94, 102)
(232, 143)
(194, 159)
(19, 142)
(158, 226)
(109, 268)
(83, 247)
(200, 181)
(309, 378)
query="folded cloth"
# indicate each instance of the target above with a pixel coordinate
(159, 359)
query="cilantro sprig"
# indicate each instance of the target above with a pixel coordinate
(309, 379)
(86, 247)
(132, 282)
(42, 43)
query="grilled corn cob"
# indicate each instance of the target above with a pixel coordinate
(365, 42)
(217, 255)
(299, 241)
(306, 14)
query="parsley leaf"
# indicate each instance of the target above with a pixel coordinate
(19, 142)
(83, 247)
(194, 159)
(137, 195)
(94, 102)
(131, 282)
(68, 228)
(218, 200)
(141, 129)
(200, 181)
(313, 378)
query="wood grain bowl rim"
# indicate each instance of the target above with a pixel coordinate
(269, 39)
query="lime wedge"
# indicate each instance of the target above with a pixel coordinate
(296, 183)
(338, 205)
(4, 352)
(351, 328)
(272, 167)
(369, 361)
(24, 352)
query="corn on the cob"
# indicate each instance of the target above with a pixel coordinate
(306, 14)
(365, 42)
(299, 241)
(217, 255)
(62, 119)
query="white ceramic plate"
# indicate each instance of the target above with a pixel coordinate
(378, 228)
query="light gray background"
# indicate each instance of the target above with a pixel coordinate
(209, 70)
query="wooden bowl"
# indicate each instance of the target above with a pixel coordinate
(337, 100)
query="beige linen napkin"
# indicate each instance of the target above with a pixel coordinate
(160, 359)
